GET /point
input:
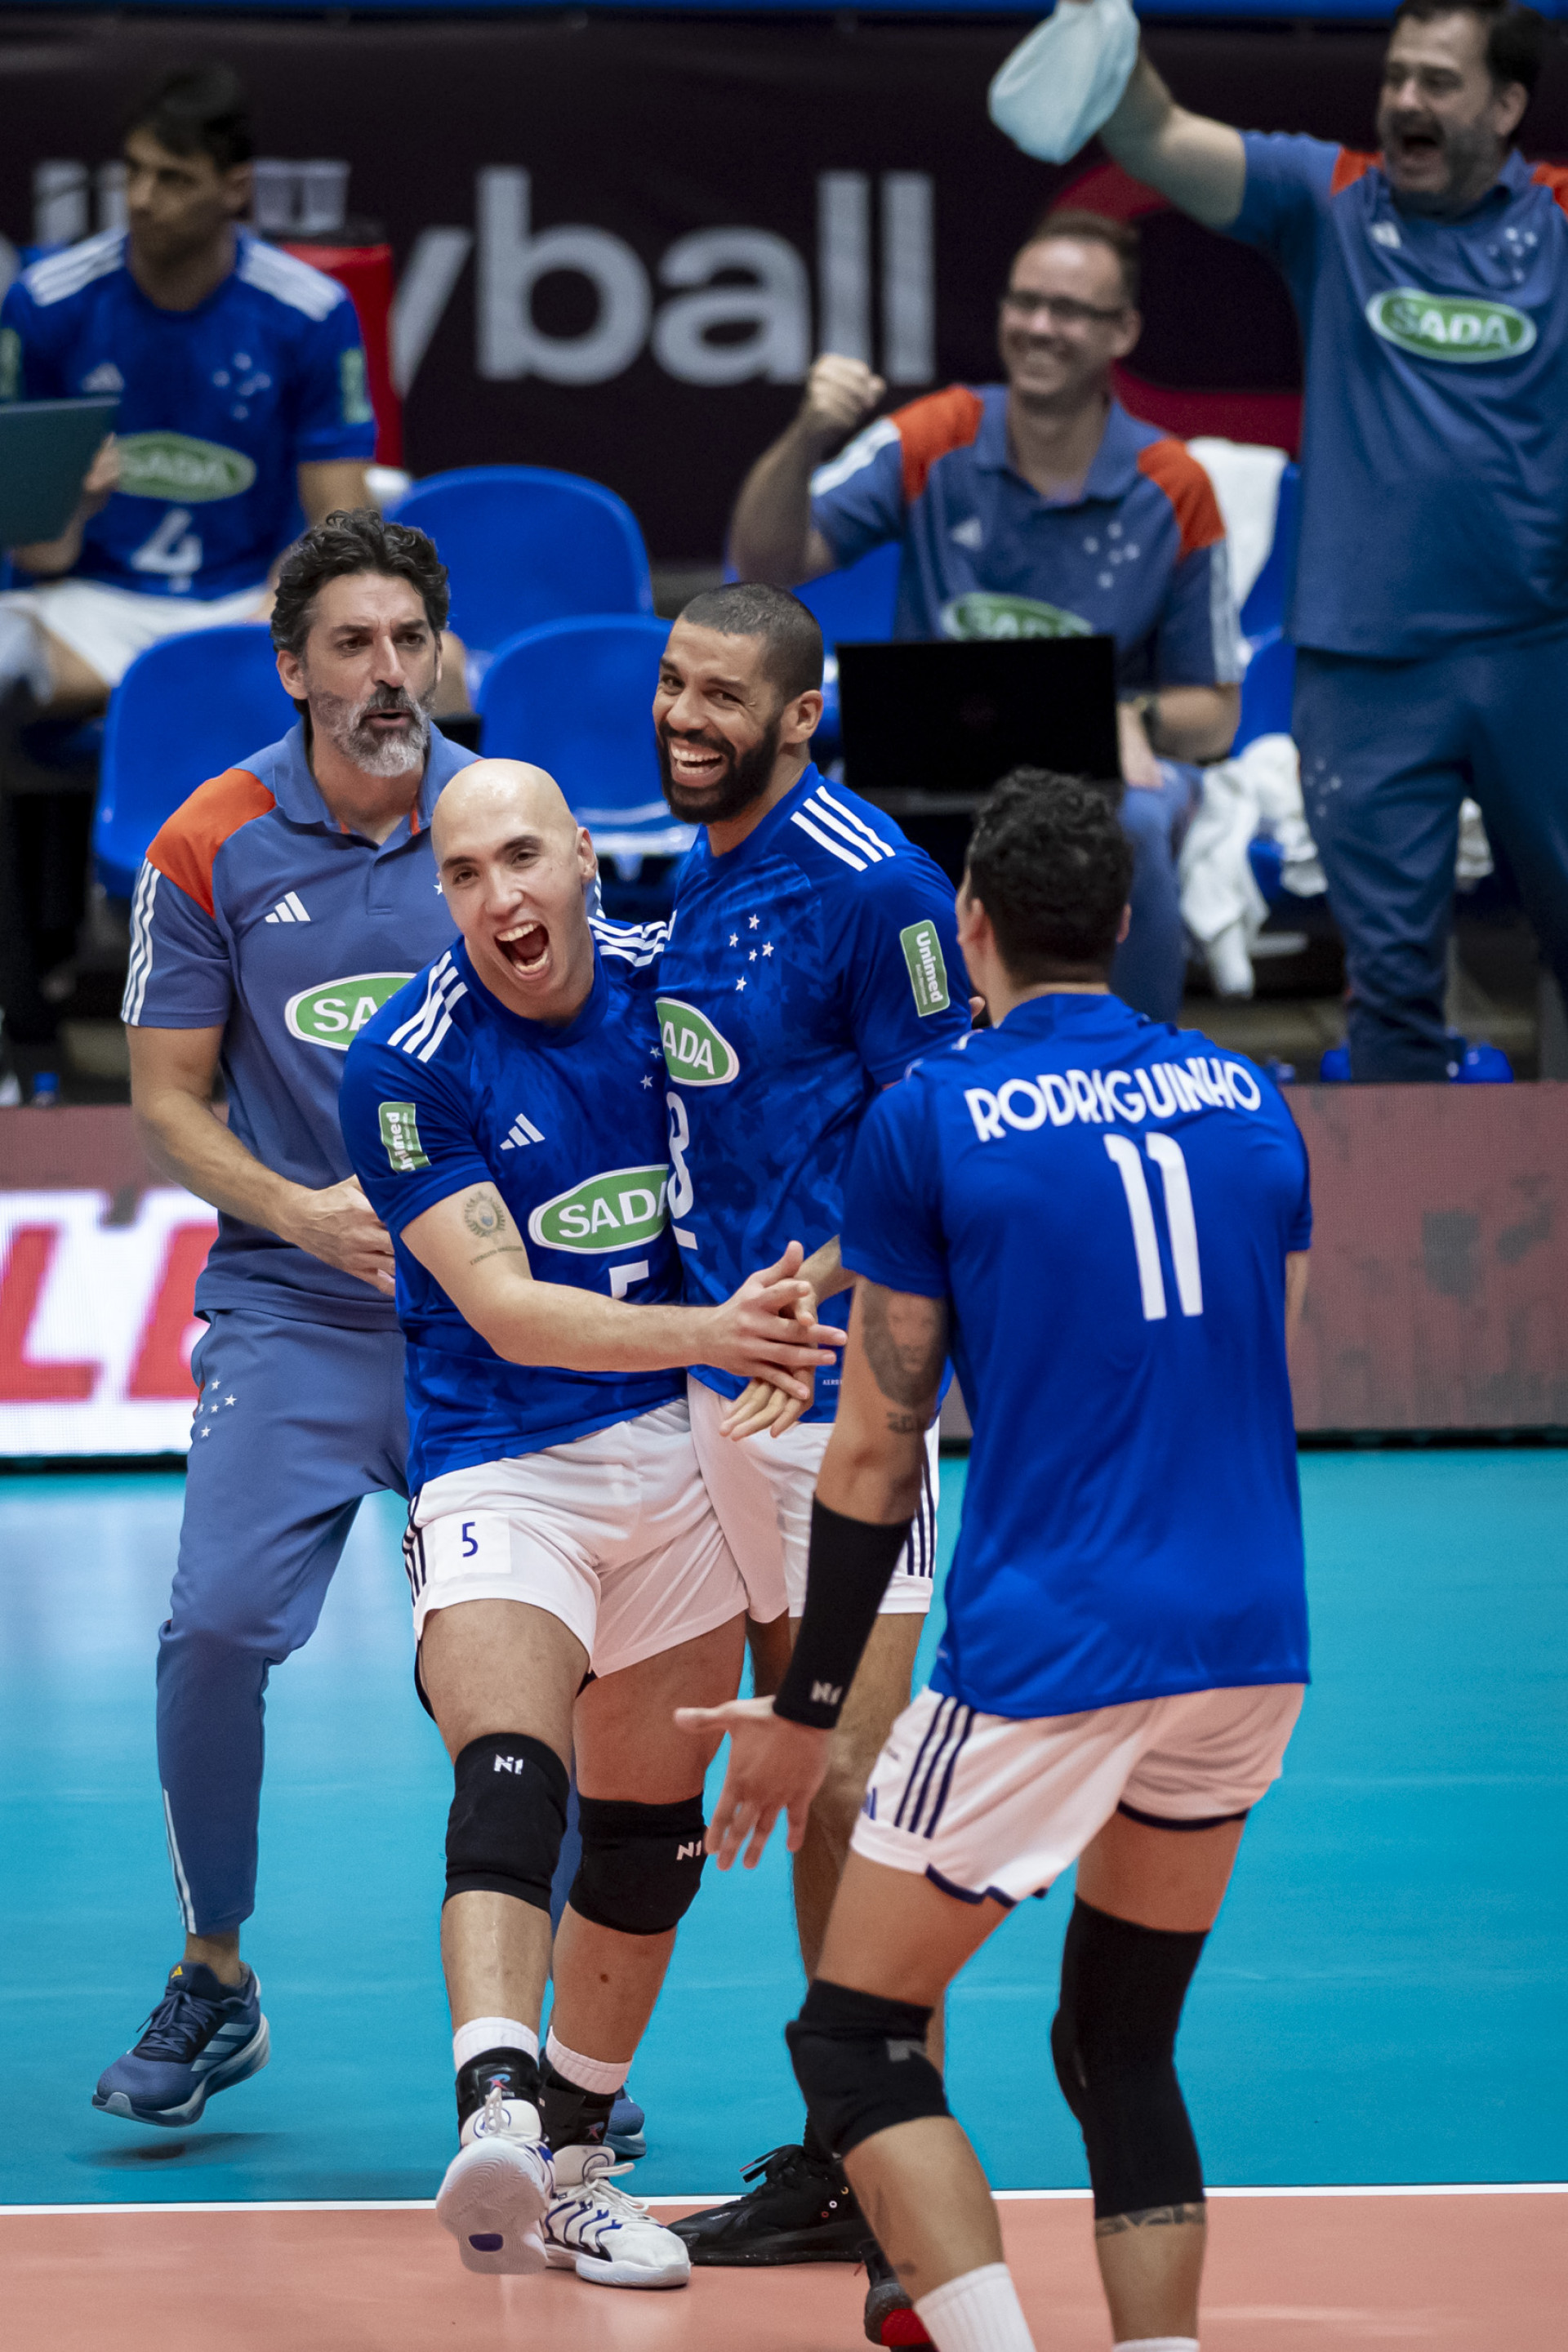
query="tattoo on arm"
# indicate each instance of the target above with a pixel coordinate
(905, 1339)
(484, 1214)
(1153, 2217)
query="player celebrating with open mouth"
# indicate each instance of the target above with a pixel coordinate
(571, 1583)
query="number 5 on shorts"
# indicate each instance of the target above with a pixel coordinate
(1168, 1156)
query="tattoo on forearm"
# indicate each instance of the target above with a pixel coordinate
(1153, 2217)
(905, 1339)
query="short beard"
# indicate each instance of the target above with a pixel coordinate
(342, 723)
(745, 780)
(1471, 156)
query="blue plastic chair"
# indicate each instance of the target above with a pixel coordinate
(1264, 611)
(1266, 691)
(524, 544)
(854, 607)
(576, 697)
(184, 710)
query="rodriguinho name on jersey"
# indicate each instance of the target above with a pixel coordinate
(1104, 1097)
(603, 1212)
(333, 1013)
(177, 466)
(1460, 328)
(694, 1052)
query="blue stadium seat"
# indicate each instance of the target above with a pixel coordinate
(576, 698)
(1264, 611)
(524, 544)
(1267, 691)
(184, 710)
(854, 605)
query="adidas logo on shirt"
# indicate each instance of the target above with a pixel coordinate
(106, 378)
(523, 1133)
(291, 909)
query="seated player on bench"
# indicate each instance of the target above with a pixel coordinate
(571, 1583)
(1109, 1220)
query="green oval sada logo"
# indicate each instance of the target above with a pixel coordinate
(603, 1212)
(695, 1055)
(1459, 328)
(982, 614)
(334, 1013)
(175, 465)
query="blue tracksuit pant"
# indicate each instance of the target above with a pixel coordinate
(1150, 964)
(296, 1423)
(1389, 749)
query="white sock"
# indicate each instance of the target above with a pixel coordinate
(977, 2313)
(482, 2034)
(601, 2075)
(1155, 2343)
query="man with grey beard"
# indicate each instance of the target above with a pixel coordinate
(276, 911)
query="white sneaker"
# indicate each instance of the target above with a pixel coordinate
(498, 2188)
(603, 2234)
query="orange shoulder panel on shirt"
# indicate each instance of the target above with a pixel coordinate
(1172, 464)
(185, 845)
(1349, 165)
(929, 428)
(1556, 177)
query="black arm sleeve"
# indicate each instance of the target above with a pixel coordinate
(847, 1576)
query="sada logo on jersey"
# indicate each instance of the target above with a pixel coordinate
(176, 466)
(603, 1212)
(694, 1052)
(1456, 327)
(985, 612)
(334, 1013)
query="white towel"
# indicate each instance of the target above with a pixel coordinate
(1066, 78)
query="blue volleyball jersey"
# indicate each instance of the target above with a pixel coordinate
(1106, 1203)
(256, 913)
(447, 1089)
(218, 405)
(805, 970)
(1435, 432)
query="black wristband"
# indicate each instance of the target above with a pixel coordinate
(848, 1574)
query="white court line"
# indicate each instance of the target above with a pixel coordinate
(711, 2197)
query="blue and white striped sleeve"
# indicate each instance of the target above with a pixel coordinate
(180, 974)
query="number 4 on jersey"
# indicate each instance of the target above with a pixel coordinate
(1166, 1154)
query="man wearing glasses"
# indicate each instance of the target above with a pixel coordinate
(1036, 507)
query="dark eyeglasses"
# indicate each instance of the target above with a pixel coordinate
(1061, 308)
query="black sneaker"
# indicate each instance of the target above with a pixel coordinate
(801, 2211)
(890, 2318)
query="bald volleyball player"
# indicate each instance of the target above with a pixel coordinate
(505, 1114)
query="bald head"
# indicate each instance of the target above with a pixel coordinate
(492, 798)
(515, 867)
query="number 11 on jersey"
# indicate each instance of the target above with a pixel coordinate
(1168, 1156)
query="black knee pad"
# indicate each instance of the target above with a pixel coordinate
(641, 1864)
(508, 1818)
(1115, 2041)
(861, 2063)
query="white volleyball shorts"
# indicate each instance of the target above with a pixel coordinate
(761, 1489)
(985, 1805)
(107, 627)
(611, 1533)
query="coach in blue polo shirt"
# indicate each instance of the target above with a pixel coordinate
(1431, 593)
(1037, 507)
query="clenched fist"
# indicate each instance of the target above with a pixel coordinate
(840, 394)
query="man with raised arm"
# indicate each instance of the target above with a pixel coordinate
(1106, 1220)
(275, 911)
(571, 1581)
(1430, 605)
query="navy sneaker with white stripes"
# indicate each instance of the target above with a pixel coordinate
(203, 2036)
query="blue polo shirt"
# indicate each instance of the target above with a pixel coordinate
(1139, 553)
(258, 913)
(218, 405)
(1435, 435)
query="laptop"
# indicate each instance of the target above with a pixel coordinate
(928, 727)
(46, 449)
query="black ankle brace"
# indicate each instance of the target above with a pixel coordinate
(512, 2071)
(571, 2116)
